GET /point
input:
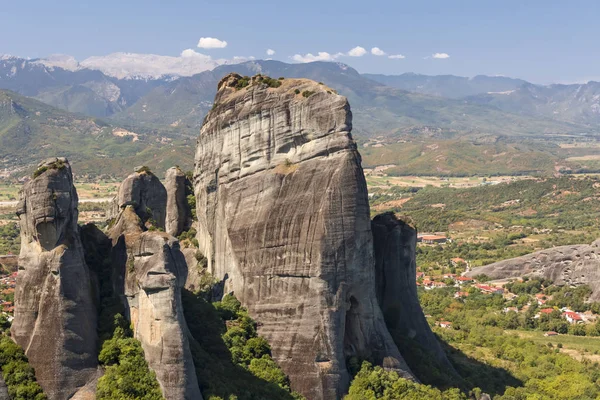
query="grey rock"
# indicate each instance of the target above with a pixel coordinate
(3, 390)
(564, 265)
(283, 217)
(144, 191)
(55, 313)
(178, 215)
(395, 244)
(155, 271)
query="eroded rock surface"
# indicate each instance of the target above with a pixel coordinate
(564, 265)
(155, 271)
(178, 215)
(283, 217)
(144, 191)
(395, 243)
(55, 313)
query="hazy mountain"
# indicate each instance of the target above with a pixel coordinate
(61, 82)
(378, 109)
(450, 86)
(579, 103)
(151, 66)
(31, 131)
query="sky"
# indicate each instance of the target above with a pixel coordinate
(540, 41)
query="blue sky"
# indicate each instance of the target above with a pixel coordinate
(541, 41)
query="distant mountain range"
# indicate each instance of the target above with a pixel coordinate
(31, 131)
(164, 96)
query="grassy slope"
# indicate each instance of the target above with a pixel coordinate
(31, 131)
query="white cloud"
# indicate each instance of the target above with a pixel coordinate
(321, 56)
(440, 55)
(376, 51)
(211, 43)
(152, 66)
(239, 59)
(270, 52)
(190, 53)
(396, 57)
(357, 52)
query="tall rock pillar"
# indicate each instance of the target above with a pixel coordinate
(55, 313)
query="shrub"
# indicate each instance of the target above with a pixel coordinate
(58, 164)
(127, 374)
(144, 170)
(18, 374)
(228, 307)
(242, 82)
(297, 91)
(307, 93)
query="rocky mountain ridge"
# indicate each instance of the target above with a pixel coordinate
(283, 219)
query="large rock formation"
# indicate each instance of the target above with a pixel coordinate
(564, 265)
(55, 313)
(153, 272)
(283, 217)
(395, 271)
(178, 215)
(144, 191)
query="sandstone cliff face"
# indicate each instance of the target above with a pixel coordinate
(144, 191)
(178, 216)
(283, 217)
(154, 271)
(395, 244)
(55, 313)
(564, 265)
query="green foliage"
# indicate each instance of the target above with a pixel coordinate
(10, 238)
(297, 91)
(552, 203)
(374, 383)
(191, 202)
(307, 93)
(58, 165)
(228, 308)
(18, 374)
(232, 362)
(242, 82)
(126, 374)
(270, 82)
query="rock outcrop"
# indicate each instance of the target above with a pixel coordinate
(55, 312)
(564, 265)
(395, 244)
(144, 191)
(178, 215)
(154, 271)
(283, 218)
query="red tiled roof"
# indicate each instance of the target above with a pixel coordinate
(572, 315)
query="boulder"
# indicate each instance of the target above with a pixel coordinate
(564, 265)
(144, 191)
(283, 219)
(178, 215)
(55, 312)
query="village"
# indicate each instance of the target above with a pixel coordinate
(465, 286)
(7, 295)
